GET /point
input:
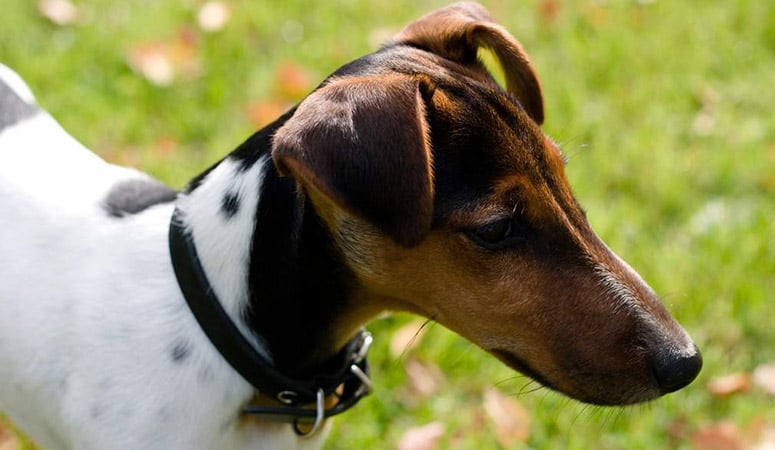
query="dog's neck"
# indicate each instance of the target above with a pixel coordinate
(270, 260)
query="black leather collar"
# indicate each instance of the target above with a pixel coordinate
(345, 376)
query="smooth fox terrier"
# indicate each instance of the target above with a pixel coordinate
(229, 315)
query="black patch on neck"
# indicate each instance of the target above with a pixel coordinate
(297, 280)
(133, 196)
(12, 108)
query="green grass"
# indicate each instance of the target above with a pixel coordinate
(665, 109)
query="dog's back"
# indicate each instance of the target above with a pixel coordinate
(59, 235)
(92, 323)
(51, 228)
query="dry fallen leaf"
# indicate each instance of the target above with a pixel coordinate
(425, 437)
(292, 81)
(213, 16)
(766, 440)
(406, 338)
(8, 440)
(166, 145)
(724, 435)
(123, 155)
(424, 378)
(510, 420)
(727, 385)
(59, 12)
(764, 377)
(161, 62)
(549, 10)
(265, 112)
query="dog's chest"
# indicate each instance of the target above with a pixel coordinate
(97, 347)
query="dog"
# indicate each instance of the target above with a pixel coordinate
(229, 315)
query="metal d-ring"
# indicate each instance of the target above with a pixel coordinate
(365, 380)
(319, 416)
(287, 397)
(365, 344)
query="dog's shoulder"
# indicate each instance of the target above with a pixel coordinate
(16, 100)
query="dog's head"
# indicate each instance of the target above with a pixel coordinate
(446, 199)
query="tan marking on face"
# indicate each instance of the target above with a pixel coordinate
(549, 314)
(562, 307)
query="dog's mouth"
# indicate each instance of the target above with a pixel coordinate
(605, 392)
(520, 365)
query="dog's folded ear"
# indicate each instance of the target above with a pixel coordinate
(363, 143)
(459, 30)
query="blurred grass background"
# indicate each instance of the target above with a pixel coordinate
(665, 109)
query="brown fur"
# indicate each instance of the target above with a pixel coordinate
(363, 143)
(408, 152)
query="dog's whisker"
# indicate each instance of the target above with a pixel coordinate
(429, 322)
(407, 180)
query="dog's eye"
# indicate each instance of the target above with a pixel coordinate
(503, 233)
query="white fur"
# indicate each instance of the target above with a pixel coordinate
(90, 312)
(14, 81)
(224, 243)
(627, 301)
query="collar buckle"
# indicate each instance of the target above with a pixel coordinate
(348, 389)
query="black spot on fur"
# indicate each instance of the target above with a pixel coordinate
(12, 108)
(180, 352)
(133, 196)
(230, 204)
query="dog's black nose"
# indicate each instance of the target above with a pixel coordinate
(674, 370)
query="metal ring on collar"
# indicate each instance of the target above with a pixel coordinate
(287, 397)
(319, 416)
(367, 339)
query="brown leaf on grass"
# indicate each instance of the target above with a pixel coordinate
(425, 437)
(424, 378)
(265, 112)
(213, 16)
(726, 385)
(760, 434)
(166, 145)
(406, 338)
(59, 12)
(8, 439)
(292, 81)
(162, 62)
(510, 420)
(724, 435)
(766, 439)
(764, 377)
(122, 155)
(549, 10)
(678, 429)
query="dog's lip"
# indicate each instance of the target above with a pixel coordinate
(519, 364)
